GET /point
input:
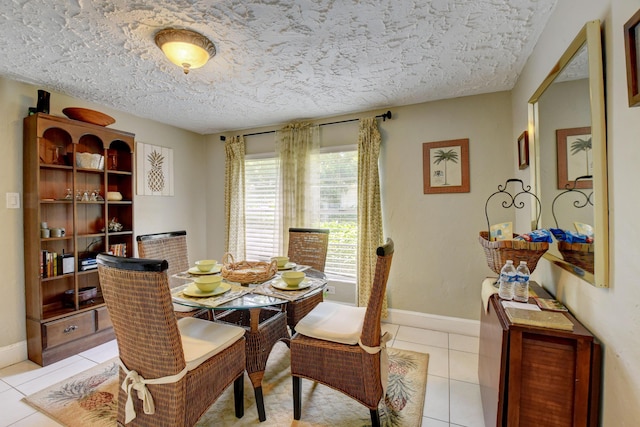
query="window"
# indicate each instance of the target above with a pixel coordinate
(338, 175)
(338, 208)
(261, 207)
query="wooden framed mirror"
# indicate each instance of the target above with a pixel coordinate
(565, 111)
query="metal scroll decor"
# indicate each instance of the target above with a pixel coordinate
(515, 199)
(582, 199)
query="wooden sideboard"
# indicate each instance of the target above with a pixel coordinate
(531, 376)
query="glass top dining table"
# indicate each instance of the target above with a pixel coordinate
(244, 296)
(258, 308)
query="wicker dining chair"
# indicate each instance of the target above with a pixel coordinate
(186, 364)
(307, 246)
(341, 346)
(171, 246)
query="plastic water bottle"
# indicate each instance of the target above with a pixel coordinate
(507, 280)
(521, 287)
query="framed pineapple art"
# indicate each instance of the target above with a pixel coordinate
(154, 169)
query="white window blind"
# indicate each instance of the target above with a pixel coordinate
(339, 210)
(261, 208)
(337, 185)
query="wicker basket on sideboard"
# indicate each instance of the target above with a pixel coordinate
(578, 254)
(499, 251)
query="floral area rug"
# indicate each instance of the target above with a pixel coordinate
(89, 399)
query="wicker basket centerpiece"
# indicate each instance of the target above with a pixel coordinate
(245, 272)
(499, 251)
(578, 254)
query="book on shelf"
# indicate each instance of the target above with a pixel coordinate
(542, 319)
(50, 264)
(88, 267)
(119, 249)
(550, 304)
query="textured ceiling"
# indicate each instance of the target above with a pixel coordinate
(277, 60)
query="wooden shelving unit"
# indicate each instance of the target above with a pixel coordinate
(59, 327)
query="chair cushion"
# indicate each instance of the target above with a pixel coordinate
(333, 322)
(202, 339)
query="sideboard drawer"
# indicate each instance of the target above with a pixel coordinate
(70, 328)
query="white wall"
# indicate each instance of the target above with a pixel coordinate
(438, 263)
(612, 314)
(186, 210)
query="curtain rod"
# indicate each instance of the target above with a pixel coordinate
(383, 116)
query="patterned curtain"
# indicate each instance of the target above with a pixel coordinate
(370, 234)
(297, 146)
(234, 197)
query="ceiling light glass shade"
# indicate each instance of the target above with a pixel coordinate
(185, 48)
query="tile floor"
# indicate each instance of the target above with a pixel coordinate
(452, 398)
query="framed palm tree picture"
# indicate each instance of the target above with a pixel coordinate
(445, 166)
(575, 158)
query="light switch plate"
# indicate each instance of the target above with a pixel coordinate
(13, 200)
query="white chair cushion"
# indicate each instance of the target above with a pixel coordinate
(333, 322)
(202, 339)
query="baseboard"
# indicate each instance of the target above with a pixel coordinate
(435, 322)
(12, 354)
(346, 294)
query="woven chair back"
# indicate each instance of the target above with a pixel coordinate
(138, 299)
(170, 246)
(371, 330)
(308, 246)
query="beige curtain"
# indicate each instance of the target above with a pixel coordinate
(297, 147)
(234, 197)
(370, 234)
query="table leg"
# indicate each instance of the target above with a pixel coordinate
(260, 339)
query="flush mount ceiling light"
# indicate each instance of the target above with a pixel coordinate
(185, 48)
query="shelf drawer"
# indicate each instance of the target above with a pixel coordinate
(104, 321)
(69, 329)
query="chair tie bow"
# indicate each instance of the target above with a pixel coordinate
(134, 381)
(384, 359)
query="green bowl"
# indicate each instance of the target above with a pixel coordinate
(205, 265)
(293, 278)
(280, 260)
(208, 283)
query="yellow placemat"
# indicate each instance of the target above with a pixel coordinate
(267, 289)
(236, 291)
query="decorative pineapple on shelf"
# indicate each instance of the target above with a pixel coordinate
(155, 176)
